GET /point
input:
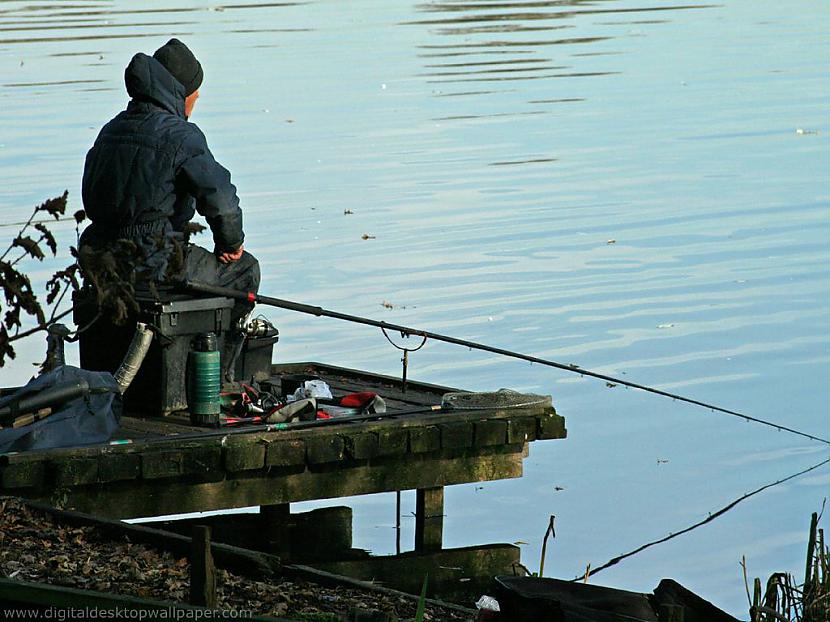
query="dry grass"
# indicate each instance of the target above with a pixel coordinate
(785, 600)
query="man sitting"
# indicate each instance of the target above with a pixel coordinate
(150, 170)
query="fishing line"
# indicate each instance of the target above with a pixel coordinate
(36, 222)
(712, 516)
(406, 331)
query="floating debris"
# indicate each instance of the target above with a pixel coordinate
(347, 212)
(801, 131)
(662, 461)
(611, 241)
(670, 325)
(366, 236)
(610, 385)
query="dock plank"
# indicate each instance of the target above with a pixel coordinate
(165, 496)
(23, 475)
(286, 453)
(325, 449)
(164, 465)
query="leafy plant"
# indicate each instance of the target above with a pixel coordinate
(18, 293)
(109, 275)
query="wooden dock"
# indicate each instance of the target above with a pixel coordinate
(164, 466)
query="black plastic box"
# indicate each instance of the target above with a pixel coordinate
(160, 386)
(254, 362)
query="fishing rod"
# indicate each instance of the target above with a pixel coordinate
(251, 297)
(709, 518)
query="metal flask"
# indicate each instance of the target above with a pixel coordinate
(205, 381)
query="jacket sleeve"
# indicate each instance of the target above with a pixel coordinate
(210, 184)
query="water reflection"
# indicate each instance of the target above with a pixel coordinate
(100, 37)
(462, 21)
(56, 83)
(58, 10)
(70, 25)
(48, 18)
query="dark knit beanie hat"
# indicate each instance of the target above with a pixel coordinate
(180, 62)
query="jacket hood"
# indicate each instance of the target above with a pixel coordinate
(148, 80)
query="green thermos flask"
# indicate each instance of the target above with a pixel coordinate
(205, 381)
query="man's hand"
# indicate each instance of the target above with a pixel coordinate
(231, 256)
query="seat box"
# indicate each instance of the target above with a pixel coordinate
(160, 387)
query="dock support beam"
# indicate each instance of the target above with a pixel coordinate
(275, 526)
(429, 519)
(202, 570)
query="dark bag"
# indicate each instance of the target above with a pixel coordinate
(85, 420)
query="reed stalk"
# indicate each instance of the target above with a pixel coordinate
(784, 600)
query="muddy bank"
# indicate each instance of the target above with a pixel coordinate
(35, 547)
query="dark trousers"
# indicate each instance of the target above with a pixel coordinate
(203, 266)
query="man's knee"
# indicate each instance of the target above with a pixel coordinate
(248, 267)
(242, 274)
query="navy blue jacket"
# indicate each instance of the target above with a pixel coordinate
(150, 169)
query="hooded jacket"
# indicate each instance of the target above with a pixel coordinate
(150, 170)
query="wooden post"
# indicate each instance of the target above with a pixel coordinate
(202, 570)
(369, 615)
(429, 519)
(397, 522)
(671, 613)
(275, 527)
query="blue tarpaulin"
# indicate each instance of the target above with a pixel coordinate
(86, 420)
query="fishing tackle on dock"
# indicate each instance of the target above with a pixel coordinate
(251, 297)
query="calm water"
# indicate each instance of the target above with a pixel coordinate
(615, 183)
